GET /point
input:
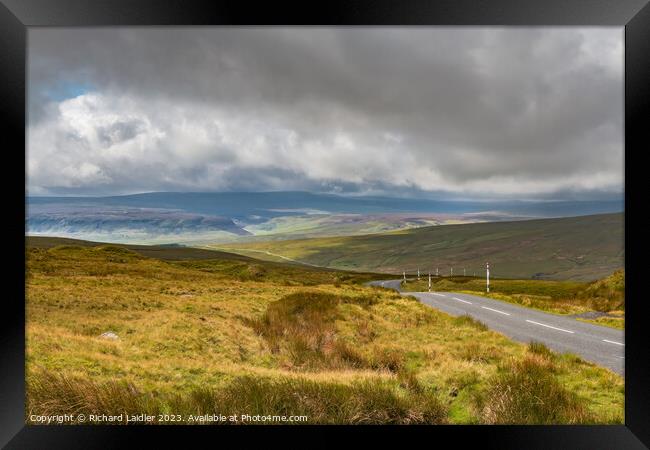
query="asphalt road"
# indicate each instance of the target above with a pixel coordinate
(602, 345)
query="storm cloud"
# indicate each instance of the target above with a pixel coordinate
(469, 112)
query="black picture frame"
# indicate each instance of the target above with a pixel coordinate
(17, 15)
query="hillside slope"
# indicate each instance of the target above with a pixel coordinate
(112, 331)
(196, 218)
(577, 248)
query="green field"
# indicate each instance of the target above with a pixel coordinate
(575, 248)
(196, 332)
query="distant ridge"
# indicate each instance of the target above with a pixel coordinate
(578, 248)
(243, 204)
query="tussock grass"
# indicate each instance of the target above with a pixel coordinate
(386, 358)
(466, 320)
(608, 321)
(49, 393)
(323, 403)
(199, 333)
(607, 294)
(482, 354)
(527, 392)
(303, 325)
(538, 348)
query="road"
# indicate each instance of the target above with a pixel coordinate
(286, 258)
(602, 345)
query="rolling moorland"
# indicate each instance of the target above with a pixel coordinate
(176, 330)
(198, 218)
(581, 248)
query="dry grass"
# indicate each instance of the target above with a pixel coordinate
(361, 402)
(526, 392)
(470, 321)
(540, 349)
(302, 326)
(615, 320)
(561, 297)
(187, 329)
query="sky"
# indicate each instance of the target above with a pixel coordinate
(440, 112)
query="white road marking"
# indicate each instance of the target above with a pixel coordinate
(496, 310)
(612, 342)
(461, 300)
(548, 326)
(439, 295)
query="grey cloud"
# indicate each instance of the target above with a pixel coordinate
(118, 132)
(477, 107)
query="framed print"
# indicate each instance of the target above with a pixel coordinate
(363, 217)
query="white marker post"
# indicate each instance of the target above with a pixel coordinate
(464, 273)
(429, 281)
(451, 272)
(436, 271)
(404, 273)
(487, 276)
(418, 274)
